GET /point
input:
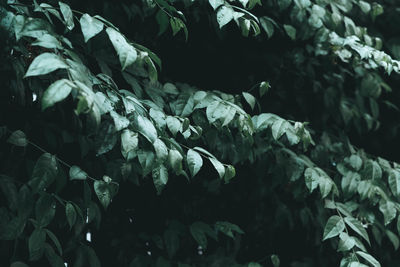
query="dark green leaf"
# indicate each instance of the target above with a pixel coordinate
(18, 138)
(76, 173)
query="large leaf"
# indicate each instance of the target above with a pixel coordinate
(147, 129)
(224, 15)
(44, 173)
(357, 227)
(67, 14)
(36, 243)
(129, 144)
(194, 161)
(70, 214)
(56, 92)
(126, 52)
(394, 182)
(371, 260)
(45, 63)
(90, 26)
(334, 226)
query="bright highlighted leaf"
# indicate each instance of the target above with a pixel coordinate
(120, 122)
(216, 3)
(103, 193)
(67, 15)
(45, 63)
(369, 259)
(174, 125)
(175, 160)
(127, 53)
(146, 128)
(70, 214)
(346, 242)
(311, 177)
(230, 172)
(56, 92)
(76, 173)
(389, 211)
(90, 26)
(224, 15)
(333, 227)
(250, 99)
(264, 86)
(129, 144)
(18, 138)
(291, 31)
(161, 150)
(194, 161)
(357, 227)
(218, 166)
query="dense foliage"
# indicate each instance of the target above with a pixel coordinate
(199, 133)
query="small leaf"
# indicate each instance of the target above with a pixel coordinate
(45, 209)
(393, 238)
(388, 209)
(250, 99)
(369, 259)
(103, 193)
(230, 172)
(311, 178)
(194, 161)
(76, 173)
(275, 260)
(90, 26)
(333, 227)
(355, 162)
(290, 30)
(174, 125)
(175, 160)
(267, 25)
(357, 227)
(18, 138)
(127, 53)
(129, 144)
(70, 213)
(67, 15)
(264, 86)
(56, 92)
(120, 122)
(45, 63)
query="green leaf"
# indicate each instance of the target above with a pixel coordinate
(76, 173)
(228, 228)
(346, 242)
(129, 144)
(103, 192)
(44, 173)
(36, 244)
(230, 172)
(194, 161)
(52, 257)
(67, 15)
(171, 240)
(279, 127)
(372, 170)
(70, 214)
(357, 227)
(18, 138)
(369, 259)
(44, 64)
(333, 227)
(394, 182)
(92, 257)
(56, 92)
(45, 210)
(218, 166)
(311, 178)
(127, 53)
(290, 30)
(275, 260)
(264, 87)
(160, 177)
(198, 234)
(175, 160)
(224, 15)
(216, 3)
(389, 211)
(90, 26)
(355, 162)
(55, 240)
(161, 150)
(147, 129)
(174, 125)
(267, 25)
(250, 99)
(120, 122)
(393, 238)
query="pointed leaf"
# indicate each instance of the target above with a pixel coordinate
(56, 92)
(103, 193)
(70, 213)
(67, 15)
(333, 227)
(90, 26)
(76, 173)
(250, 99)
(369, 259)
(357, 227)
(127, 53)
(194, 161)
(45, 63)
